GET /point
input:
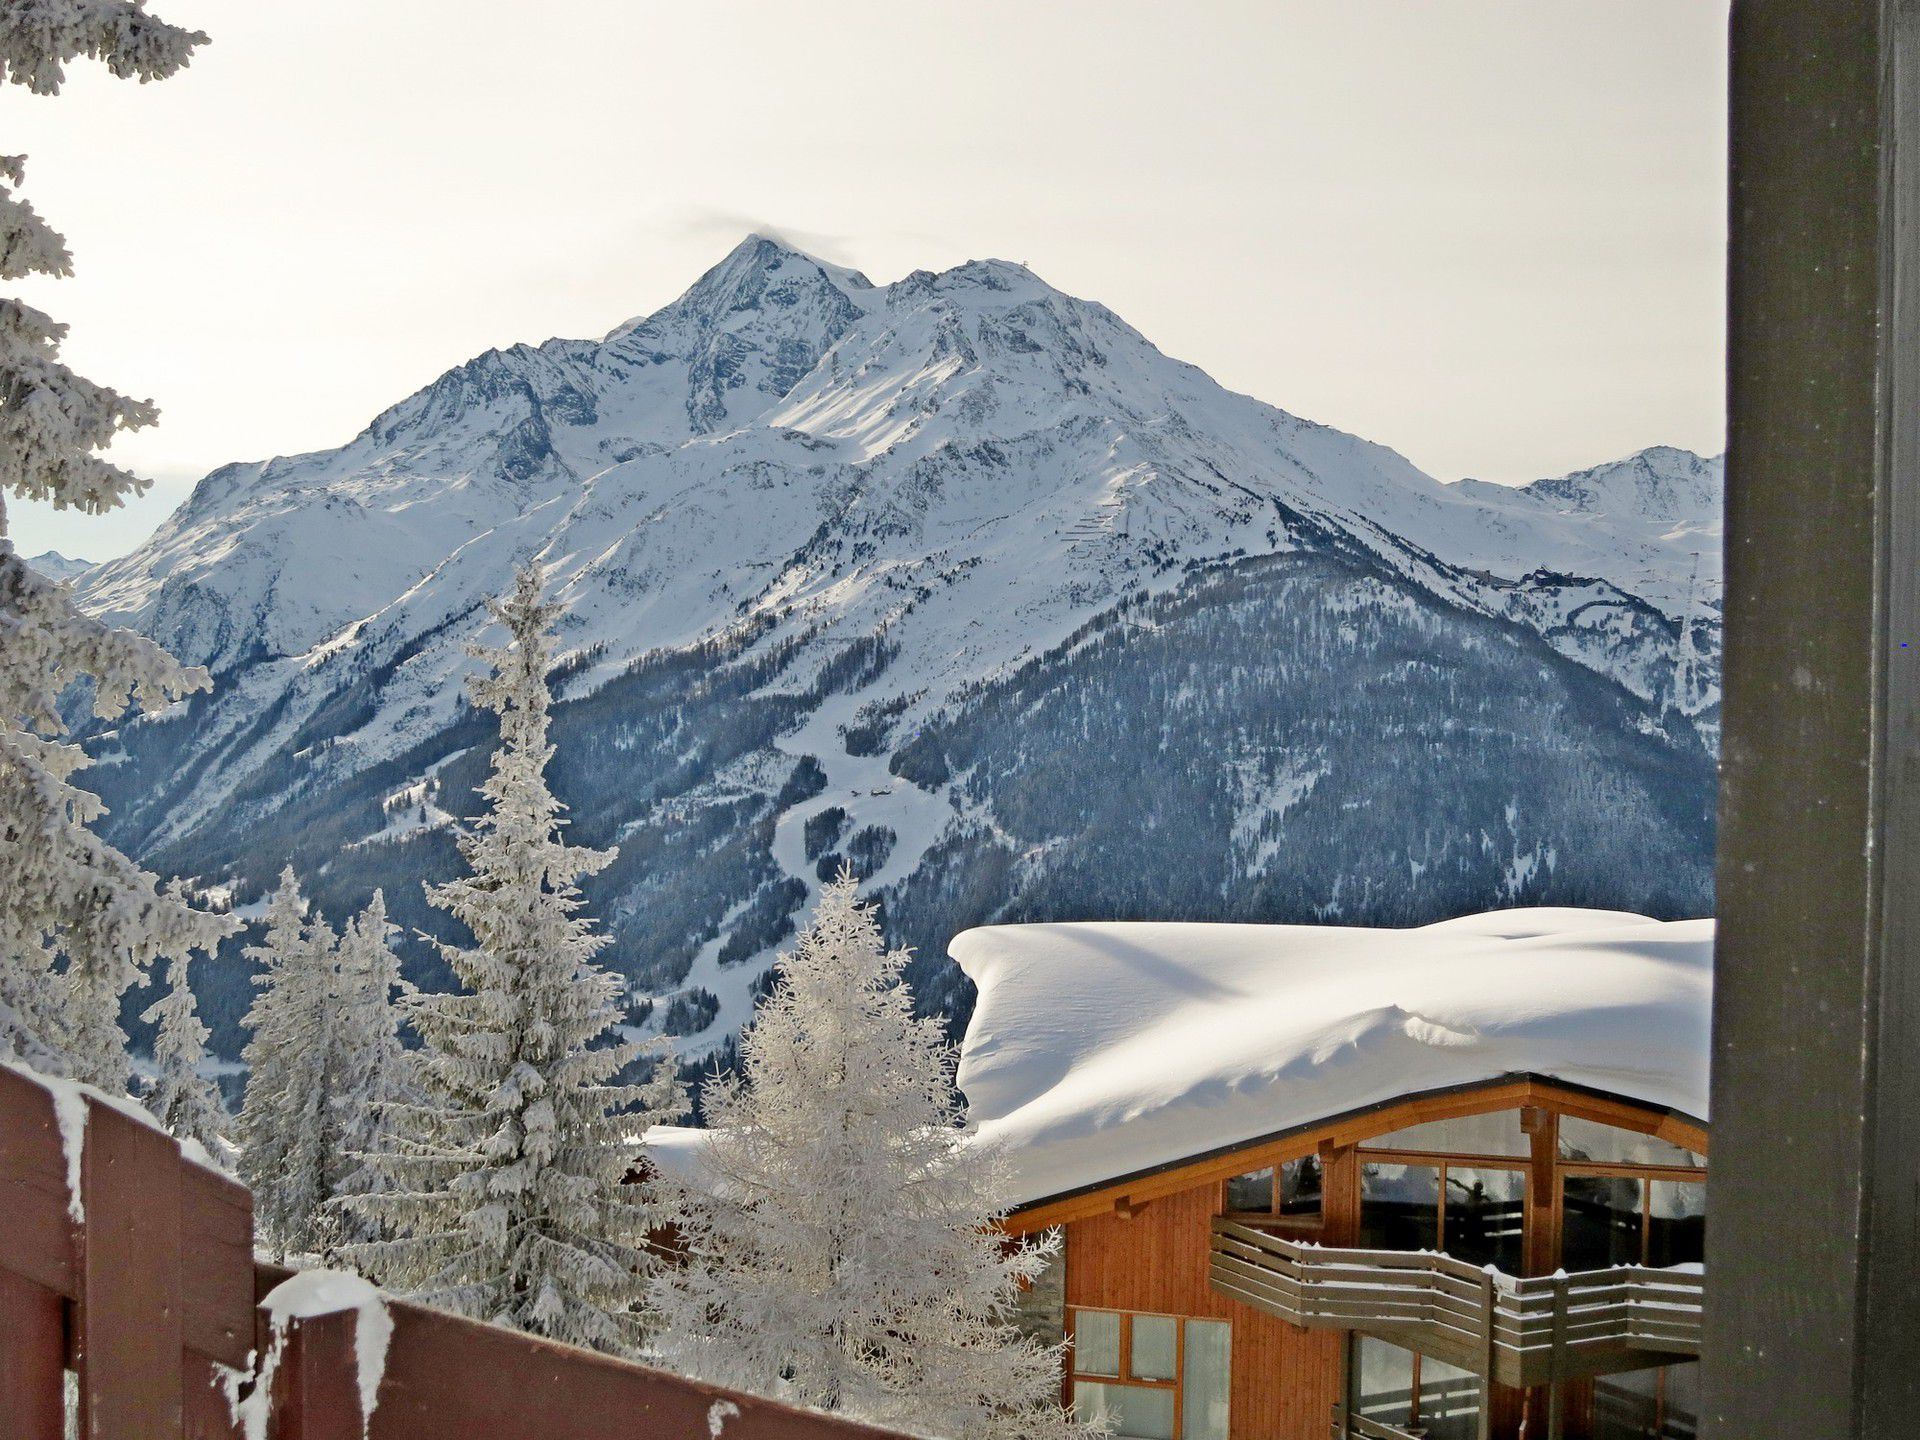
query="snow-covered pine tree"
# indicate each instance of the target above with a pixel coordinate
(62, 891)
(510, 1190)
(181, 1098)
(375, 1072)
(289, 1131)
(841, 1250)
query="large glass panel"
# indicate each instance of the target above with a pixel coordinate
(1096, 1342)
(1680, 1402)
(1155, 1348)
(1206, 1381)
(1133, 1411)
(1300, 1186)
(1486, 1216)
(1386, 1382)
(1399, 1206)
(1497, 1132)
(1449, 1401)
(1602, 1225)
(1677, 1224)
(1610, 1145)
(1627, 1407)
(1252, 1191)
(1041, 1310)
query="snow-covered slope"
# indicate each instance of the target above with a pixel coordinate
(1102, 1051)
(806, 527)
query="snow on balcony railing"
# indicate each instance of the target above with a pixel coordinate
(1516, 1331)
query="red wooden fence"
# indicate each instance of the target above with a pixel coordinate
(141, 1281)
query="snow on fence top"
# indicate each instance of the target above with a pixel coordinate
(1101, 1050)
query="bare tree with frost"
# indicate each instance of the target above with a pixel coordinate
(841, 1251)
(79, 921)
(511, 1183)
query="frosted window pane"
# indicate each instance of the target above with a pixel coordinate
(1252, 1191)
(1096, 1343)
(1207, 1381)
(1153, 1347)
(1496, 1133)
(1610, 1145)
(1135, 1413)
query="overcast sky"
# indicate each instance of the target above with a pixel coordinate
(1487, 234)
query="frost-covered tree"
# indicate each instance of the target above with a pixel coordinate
(63, 892)
(181, 1098)
(375, 1074)
(510, 1181)
(289, 1131)
(840, 1246)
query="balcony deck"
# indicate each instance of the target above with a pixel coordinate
(1519, 1332)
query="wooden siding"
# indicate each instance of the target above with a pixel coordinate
(1285, 1379)
(1142, 1246)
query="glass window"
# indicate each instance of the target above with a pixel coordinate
(1096, 1342)
(1386, 1382)
(1399, 1206)
(1449, 1400)
(1610, 1145)
(1676, 1222)
(1486, 1216)
(1252, 1192)
(1149, 1375)
(1132, 1411)
(1207, 1380)
(1497, 1132)
(1648, 1404)
(1417, 1393)
(1155, 1348)
(1291, 1189)
(1300, 1186)
(1601, 1225)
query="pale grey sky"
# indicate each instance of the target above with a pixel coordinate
(1488, 233)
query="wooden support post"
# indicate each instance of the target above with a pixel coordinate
(130, 1321)
(316, 1390)
(1556, 1397)
(1339, 1195)
(1813, 1316)
(1349, 1401)
(1485, 1428)
(33, 1351)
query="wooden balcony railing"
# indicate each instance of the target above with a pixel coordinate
(130, 1268)
(1519, 1332)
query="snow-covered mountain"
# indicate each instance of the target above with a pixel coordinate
(56, 566)
(932, 577)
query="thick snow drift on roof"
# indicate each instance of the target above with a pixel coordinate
(1101, 1050)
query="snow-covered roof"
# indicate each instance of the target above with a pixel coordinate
(1099, 1051)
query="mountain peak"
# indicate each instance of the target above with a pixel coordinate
(54, 565)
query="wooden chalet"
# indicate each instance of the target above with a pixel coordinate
(1445, 1182)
